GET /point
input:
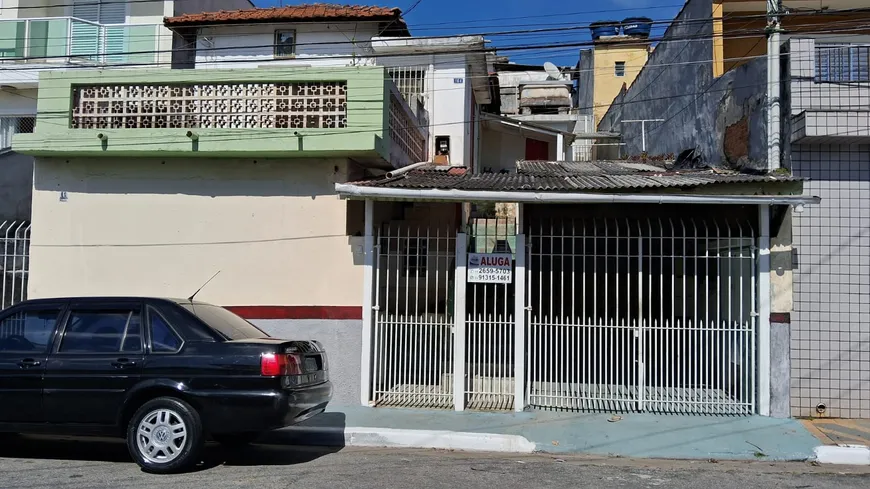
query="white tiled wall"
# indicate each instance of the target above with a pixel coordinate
(830, 340)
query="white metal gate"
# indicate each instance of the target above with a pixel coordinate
(642, 314)
(15, 261)
(489, 323)
(412, 361)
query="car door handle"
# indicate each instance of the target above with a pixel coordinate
(123, 363)
(29, 363)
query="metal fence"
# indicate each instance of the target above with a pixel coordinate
(642, 314)
(413, 325)
(15, 260)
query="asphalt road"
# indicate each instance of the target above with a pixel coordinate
(36, 462)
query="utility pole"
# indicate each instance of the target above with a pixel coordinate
(643, 130)
(774, 108)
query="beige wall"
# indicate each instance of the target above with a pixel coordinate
(606, 84)
(273, 228)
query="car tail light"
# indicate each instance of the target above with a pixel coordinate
(272, 364)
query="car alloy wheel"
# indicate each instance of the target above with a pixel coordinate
(165, 436)
(161, 436)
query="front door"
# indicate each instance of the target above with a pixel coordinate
(96, 361)
(25, 336)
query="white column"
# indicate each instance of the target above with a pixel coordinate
(459, 323)
(367, 312)
(560, 147)
(520, 316)
(764, 310)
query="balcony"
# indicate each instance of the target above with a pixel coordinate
(71, 40)
(286, 112)
(830, 92)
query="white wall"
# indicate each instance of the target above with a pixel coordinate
(315, 44)
(18, 102)
(449, 108)
(274, 228)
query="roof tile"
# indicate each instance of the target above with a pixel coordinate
(304, 12)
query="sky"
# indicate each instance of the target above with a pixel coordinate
(449, 17)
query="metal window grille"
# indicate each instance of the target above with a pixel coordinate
(642, 314)
(15, 261)
(412, 361)
(9, 126)
(225, 105)
(619, 68)
(411, 82)
(842, 63)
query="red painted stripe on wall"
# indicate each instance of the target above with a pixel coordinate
(298, 312)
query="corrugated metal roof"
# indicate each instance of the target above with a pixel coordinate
(538, 176)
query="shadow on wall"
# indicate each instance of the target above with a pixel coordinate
(211, 178)
(16, 186)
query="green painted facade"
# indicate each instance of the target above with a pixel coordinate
(364, 138)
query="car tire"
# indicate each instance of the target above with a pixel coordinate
(235, 440)
(165, 436)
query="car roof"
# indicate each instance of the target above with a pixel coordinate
(86, 299)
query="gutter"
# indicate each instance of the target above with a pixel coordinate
(348, 191)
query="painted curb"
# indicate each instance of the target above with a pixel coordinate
(843, 454)
(399, 438)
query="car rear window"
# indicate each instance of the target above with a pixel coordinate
(225, 322)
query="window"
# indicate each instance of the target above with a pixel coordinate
(163, 337)
(842, 63)
(28, 331)
(101, 11)
(285, 44)
(10, 126)
(103, 332)
(619, 68)
(225, 322)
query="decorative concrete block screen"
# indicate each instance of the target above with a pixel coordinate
(291, 105)
(405, 132)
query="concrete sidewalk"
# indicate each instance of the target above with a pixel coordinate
(625, 435)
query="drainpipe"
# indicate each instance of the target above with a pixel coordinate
(774, 109)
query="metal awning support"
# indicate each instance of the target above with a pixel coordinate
(350, 191)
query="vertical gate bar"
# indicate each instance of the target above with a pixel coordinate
(669, 339)
(764, 310)
(692, 343)
(753, 296)
(739, 333)
(428, 342)
(396, 354)
(436, 374)
(702, 333)
(594, 340)
(366, 380)
(640, 349)
(606, 364)
(615, 356)
(718, 326)
(459, 327)
(682, 331)
(520, 314)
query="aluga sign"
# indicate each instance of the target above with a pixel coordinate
(490, 268)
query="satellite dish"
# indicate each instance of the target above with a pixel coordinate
(552, 71)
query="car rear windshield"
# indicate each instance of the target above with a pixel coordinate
(225, 322)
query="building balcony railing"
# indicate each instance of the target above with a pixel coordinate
(72, 40)
(353, 112)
